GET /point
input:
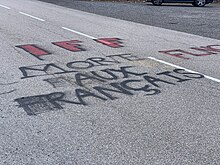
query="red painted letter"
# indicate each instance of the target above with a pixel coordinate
(211, 48)
(207, 52)
(34, 50)
(69, 45)
(175, 54)
(111, 42)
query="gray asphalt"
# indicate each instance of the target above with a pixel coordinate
(181, 17)
(129, 105)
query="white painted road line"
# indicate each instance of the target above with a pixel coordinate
(32, 16)
(179, 67)
(5, 7)
(79, 33)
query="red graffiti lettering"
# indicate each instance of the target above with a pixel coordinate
(111, 42)
(211, 48)
(207, 50)
(34, 50)
(176, 53)
(70, 45)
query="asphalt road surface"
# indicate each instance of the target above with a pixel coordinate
(181, 17)
(79, 88)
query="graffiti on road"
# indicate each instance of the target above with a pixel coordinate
(194, 51)
(89, 84)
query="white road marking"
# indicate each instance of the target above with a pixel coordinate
(79, 33)
(5, 7)
(32, 16)
(179, 67)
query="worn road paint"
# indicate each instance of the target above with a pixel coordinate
(112, 81)
(39, 19)
(34, 50)
(70, 45)
(179, 67)
(111, 42)
(75, 66)
(194, 51)
(104, 85)
(5, 7)
(88, 36)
